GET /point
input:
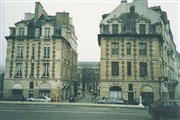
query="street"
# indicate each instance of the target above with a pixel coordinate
(69, 112)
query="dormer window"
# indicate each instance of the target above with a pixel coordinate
(47, 33)
(128, 28)
(106, 29)
(115, 29)
(37, 32)
(21, 31)
(142, 28)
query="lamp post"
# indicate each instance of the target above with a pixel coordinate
(160, 87)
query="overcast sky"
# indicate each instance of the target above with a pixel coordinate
(86, 18)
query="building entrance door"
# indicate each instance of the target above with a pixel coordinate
(115, 92)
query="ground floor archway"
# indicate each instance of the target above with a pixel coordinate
(115, 92)
(147, 95)
(17, 89)
(45, 89)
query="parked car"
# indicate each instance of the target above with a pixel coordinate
(133, 102)
(163, 109)
(15, 98)
(72, 99)
(40, 99)
(111, 101)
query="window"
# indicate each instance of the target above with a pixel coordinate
(128, 28)
(128, 68)
(115, 48)
(143, 69)
(130, 87)
(128, 48)
(31, 85)
(115, 29)
(19, 70)
(106, 29)
(47, 33)
(32, 69)
(45, 69)
(37, 32)
(46, 51)
(33, 51)
(142, 49)
(115, 68)
(142, 29)
(21, 31)
(20, 52)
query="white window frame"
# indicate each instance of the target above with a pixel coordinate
(47, 31)
(45, 69)
(32, 70)
(33, 51)
(18, 69)
(21, 31)
(19, 52)
(37, 33)
(46, 51)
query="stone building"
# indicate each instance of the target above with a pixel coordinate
(177, 69)
(137, 53)
(41, 56)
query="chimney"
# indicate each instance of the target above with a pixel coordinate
(132, 9)
(123, 1)
(123, 6)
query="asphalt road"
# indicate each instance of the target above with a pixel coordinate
(68, 112)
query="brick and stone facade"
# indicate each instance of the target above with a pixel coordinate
(135, 42)
(41, 56)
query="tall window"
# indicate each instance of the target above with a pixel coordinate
(37, 32)
(115, 29)
(143, 69)
(31, 85)
(115, 68)
(115, 48)
(32, 69)
(45, 69)
(33, 51)
(18, 69)
(128, 48)
(47, 33)
(106, 29)
(128, 68)
(46, 51)
(142, 49)
(142, 29)
(20, 52)
(130, 87)
(21, 31)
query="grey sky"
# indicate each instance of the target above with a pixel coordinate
(86, 18)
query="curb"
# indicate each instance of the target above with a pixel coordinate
(74, 104)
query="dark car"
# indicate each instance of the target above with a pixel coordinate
(163, 109)
(72, 99)
(15, 98)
